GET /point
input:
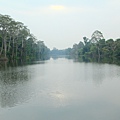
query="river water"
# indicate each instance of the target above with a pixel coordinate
(60, 89)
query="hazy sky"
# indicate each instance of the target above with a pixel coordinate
(61, 23)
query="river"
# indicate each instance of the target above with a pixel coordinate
(60, 89)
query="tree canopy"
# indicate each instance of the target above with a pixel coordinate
(16, 41)
(97, 48)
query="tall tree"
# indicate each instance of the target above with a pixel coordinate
(95, 38)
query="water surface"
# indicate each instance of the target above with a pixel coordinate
(60, 89)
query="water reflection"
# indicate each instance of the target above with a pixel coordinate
(12, 82)
(58, 97)
(55, 57)
(60, 89)
(109, 60)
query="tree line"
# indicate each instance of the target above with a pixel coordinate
(96, 48)
(16, 41)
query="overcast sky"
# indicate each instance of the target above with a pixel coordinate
(61, 23)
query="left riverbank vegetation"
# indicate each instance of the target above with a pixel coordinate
(17, 43)
(96, 48)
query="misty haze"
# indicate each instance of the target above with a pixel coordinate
(59, 60)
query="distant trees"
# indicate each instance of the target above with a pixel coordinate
(77, 49)
(56, 52)
(16, 41)
(97, 47)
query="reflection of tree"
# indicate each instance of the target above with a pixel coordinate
(13, 86)
(55, 57)
(94, 72)
(3, 64)
(98, 74)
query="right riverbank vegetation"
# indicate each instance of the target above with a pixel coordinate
(96, 49)
(17, 43)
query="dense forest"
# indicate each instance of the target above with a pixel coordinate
(16, 42)
(96, 49)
